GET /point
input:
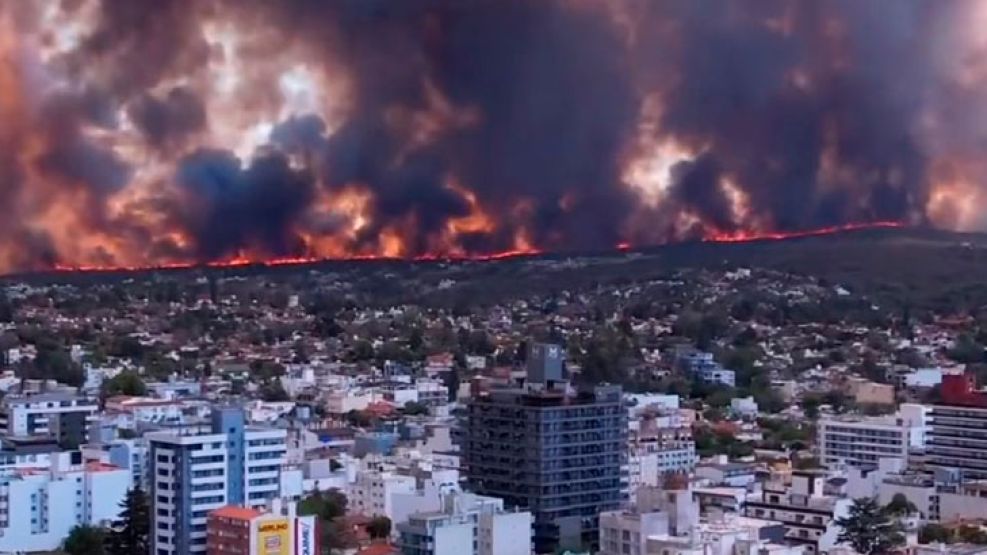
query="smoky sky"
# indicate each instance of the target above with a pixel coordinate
(475, 127)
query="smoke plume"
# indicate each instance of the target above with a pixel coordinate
(169, 132)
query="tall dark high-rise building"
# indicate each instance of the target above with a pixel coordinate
(957, 437)
(556, 451)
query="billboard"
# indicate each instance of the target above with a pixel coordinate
(306, 536)
(274, 537)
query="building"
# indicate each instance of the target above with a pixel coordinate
(863, 441)
(957, 437)
(39, 506)
(744, 406)
(468, 524)
(374, 487)
(667, 522)
(658, 446)
(726, 535)
(27, 452)
(193, 473)
(130, 454)
(544, 447)
(808, 514)
(701, 365)
(62, 415)
(720, 471)
(866, 392)
(233, 530)
(941, 496)
(624, 532)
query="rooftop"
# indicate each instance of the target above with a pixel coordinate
(236, 513)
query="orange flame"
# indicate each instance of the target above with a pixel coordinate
(524, 251)
(748, 236)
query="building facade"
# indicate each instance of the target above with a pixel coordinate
(558, 453)
(957, 436)
(233, 530)
(40, 506)
(193, 473)
(468, 524)
(701, 365)
(65, 416)
(863, 441)
(809, 516)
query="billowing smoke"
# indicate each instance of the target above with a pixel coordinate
(144, 133)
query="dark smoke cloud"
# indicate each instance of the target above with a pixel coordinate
(229, 209)
(527, 112)
(735, 90)
(168, 120)
(134, 45)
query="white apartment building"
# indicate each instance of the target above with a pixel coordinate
(808, 514)
(626, 532)
(39, 506)
(942, 496)
(667, 522)
(194, 473)
(373, 490)
(863, 441)
(146, 409)
(468, 524)
(26, 415)
(729, 535)
(343, 401)
(658, 446)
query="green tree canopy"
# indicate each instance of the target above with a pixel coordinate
(869, 529)
(85, 540)
(130, 534)
(379, 527)
(127, 382)
(900, 506)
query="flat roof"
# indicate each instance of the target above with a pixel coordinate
(235, 512)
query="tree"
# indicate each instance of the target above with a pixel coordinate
(900, 506)
(127, 382)
(379, 527)
(810, 406)
(934, 533)
(130, 534)
(362, 350)
(326, 505)
(414, 408)
(416, 339)
(971, 534)
(85, 540)
(868, 528)
(274, 392)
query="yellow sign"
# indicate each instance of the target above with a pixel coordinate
(273, 537)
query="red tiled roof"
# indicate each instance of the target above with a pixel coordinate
(234, 512)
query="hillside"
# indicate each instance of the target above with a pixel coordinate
(915, 267)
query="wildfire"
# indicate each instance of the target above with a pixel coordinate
(749, 236)
(522, 252)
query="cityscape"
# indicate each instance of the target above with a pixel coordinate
(701, 409)
(493, 277)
